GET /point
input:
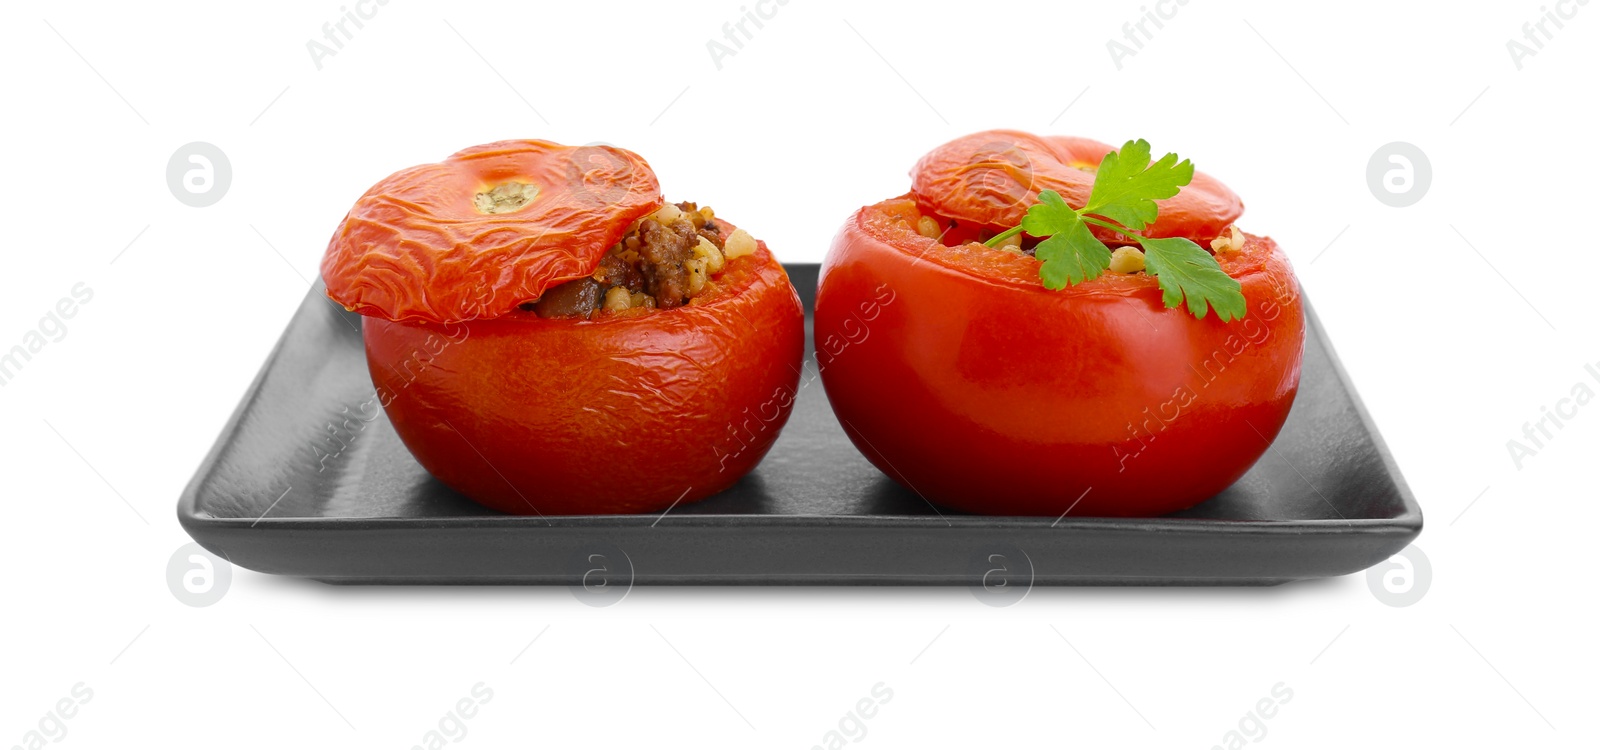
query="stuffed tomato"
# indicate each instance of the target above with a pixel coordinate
(548, 336)
(961, 376)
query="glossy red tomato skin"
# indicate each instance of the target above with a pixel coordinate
(970, 384)
(616, 415)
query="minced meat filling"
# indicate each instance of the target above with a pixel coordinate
(663, 261)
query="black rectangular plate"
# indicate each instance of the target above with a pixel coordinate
(309, 479)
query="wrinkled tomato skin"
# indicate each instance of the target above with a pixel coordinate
(417, 247)
(982, 391)
(621, 414)
(989, 179)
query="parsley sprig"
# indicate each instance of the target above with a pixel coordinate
(1123, 200)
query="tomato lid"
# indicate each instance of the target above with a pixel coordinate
(485, 230)
(991, 178)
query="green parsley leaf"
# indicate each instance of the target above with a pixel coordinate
(1187, 272)
(1072, 256)
(1127, 185)
(1123, 199)
(1050, 215)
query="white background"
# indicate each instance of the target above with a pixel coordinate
(1454, 346)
